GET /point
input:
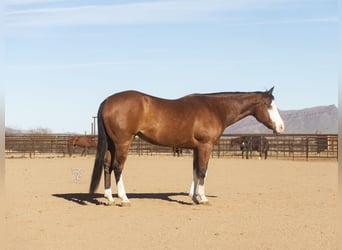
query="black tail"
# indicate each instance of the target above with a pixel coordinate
(101, 151)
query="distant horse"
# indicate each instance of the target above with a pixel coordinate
(177, 151)
(322, 144)
(194, 121)
(236, 141)
(254, 143)
(82, 141)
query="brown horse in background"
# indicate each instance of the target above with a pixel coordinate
(83, 141)
(194, 121)
(254, 143)
(248, 144)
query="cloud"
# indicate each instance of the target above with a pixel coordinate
(11, 3)
(23, 15)
(331, 19)
(127, 63)
(128, 13)
(313, 20)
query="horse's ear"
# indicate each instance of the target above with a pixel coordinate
(269, 93)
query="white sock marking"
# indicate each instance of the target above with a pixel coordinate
(121, 190)
(201, 189)
(108, 194)
(193, 188)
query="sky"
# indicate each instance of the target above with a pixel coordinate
(63, 57)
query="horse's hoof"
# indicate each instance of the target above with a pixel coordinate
(195, 202)
(125, 204)
(110, 203)
(206, 203)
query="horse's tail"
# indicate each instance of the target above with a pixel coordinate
(101, 151)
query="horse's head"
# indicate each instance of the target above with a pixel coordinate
(267, 113)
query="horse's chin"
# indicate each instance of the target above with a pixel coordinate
(276, 129)
(276, 132)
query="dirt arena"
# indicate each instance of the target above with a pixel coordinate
(254, 204)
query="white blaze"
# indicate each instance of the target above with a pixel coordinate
(275, 117)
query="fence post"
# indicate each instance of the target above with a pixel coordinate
(307, 148)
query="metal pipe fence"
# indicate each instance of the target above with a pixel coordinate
(285, 146)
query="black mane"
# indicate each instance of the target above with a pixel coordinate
(266, 93)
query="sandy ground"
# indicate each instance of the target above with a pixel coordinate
(253, 205)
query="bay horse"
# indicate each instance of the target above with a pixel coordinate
(194, 121)
(322, 144)
(177, 151)
(257, 143)
(83, 141)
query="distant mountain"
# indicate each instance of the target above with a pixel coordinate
(38, 131)
(9, 131)
(322, 119)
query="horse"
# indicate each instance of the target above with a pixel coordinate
(82, 141)
(177, 151)
(195, 121)
(322, 144)
(251, 143)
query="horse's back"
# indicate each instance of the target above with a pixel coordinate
(136, 106)
(178, 122)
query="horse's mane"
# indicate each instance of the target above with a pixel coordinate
(220, 94)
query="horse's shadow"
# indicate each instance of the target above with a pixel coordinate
(86, 198)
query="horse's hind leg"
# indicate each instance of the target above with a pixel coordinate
(107, 178)
(86, 151)
(121, 151)
(83, 151)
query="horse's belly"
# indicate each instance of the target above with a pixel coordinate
(170, 137)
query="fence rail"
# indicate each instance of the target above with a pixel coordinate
(287, 146)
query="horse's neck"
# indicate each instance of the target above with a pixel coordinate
(238, 106)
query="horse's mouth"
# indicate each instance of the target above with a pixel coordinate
(278, 131)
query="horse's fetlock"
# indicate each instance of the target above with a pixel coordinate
(202, 173)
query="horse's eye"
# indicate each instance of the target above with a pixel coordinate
(269, 106)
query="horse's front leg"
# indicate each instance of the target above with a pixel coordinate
(197, 189)
(193, 189)
(200, 167)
